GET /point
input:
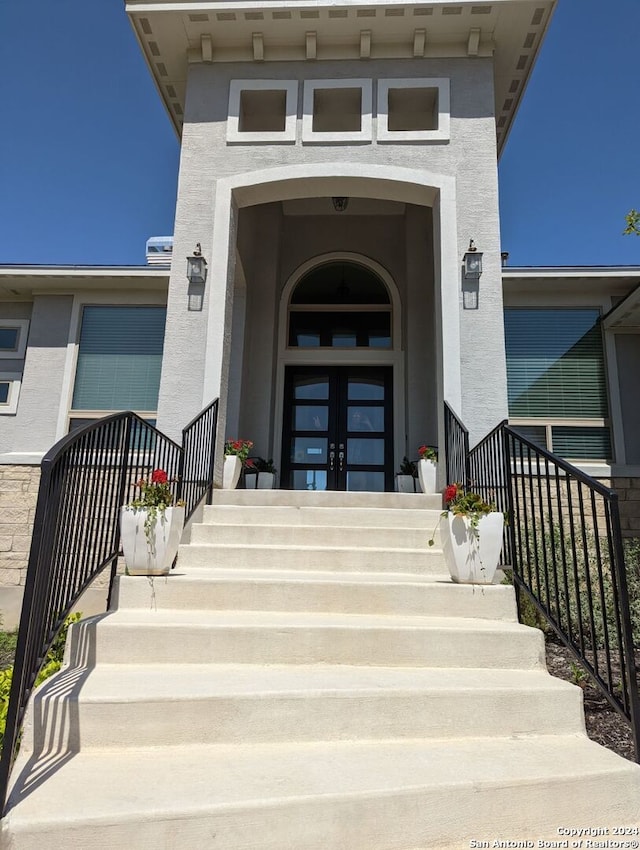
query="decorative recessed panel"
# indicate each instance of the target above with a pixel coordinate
(262, 111)
(413, 110)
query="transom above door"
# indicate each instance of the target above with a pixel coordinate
(338, 428)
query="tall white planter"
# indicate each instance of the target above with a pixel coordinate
(266, 480)
(150, 555)
(231, 472)
(427, 473)
(472, 555)
(405, 483)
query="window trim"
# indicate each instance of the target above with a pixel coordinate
(10, 407)
(22, 326)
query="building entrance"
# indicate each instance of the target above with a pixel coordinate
(338, 426)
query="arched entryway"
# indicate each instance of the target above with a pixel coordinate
(341, 329)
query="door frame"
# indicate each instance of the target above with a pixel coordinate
(337, 421)
(393, 356)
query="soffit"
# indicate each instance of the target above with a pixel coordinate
(625, 316)
(174, 33)
(21, 281)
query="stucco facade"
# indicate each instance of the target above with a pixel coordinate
(281, 118)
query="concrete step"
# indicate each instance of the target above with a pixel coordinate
(327, 498)
(427, 561)
(371, 795)
(424, 518)
(312, 535)
(133, 636)
(241, 704)
(304, 590)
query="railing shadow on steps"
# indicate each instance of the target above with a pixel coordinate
(85, 479)
(564, 544)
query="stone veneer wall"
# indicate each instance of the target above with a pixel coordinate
(18, 494)
(628, 490)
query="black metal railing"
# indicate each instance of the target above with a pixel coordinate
(564, 543)
(85, 479)
(489, 476)
(456, 447)
(195, 477)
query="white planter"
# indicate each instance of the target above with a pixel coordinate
(405, 484)
(427, 473)
(231, 472)
(250, 480)
(472, 555)
(153, 555)
(266, 480)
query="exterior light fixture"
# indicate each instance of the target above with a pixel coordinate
(340, 204)
(197, 266)
(472, 261)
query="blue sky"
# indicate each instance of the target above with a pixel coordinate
(89, 161)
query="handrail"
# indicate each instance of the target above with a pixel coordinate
(564, 543)
(85, 479)
(456, 442)
(195, 479)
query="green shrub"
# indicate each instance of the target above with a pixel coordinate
(589, 576)
(53, 662)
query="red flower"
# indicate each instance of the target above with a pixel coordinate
(159, 476)
(450, 493)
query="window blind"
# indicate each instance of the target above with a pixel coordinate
(555, 363)
(119, 358)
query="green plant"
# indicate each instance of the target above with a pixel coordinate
(578, 675)
(408, 467)
(155, 498)
(576, 584)
(427, 453)
(262, 465)
(240, 448)
(461, 503)
(52, 663)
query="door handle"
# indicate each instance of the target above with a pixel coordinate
(332, 456)
(341, 457)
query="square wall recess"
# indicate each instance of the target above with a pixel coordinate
(262, 111)
(337, 111)
(413, 110)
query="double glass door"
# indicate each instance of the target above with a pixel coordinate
(338, 427)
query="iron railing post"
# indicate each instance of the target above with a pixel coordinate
(628, 648)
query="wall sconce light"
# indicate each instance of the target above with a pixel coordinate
(472, 261)
(197, 266)
(340, 204)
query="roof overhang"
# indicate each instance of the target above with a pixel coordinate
(625, 316)
(621, 283)
(25, 281)
(175, 33)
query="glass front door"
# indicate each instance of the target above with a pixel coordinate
(338, 427)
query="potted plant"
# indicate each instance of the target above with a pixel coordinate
(406, 478)
(428, 468)
(236, 453)
(266, 473)
(250, 474)
(472, 536)
(151, 527)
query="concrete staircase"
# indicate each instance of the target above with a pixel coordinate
(309, 679)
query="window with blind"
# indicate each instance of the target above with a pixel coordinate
(119, 361)
(556, 372)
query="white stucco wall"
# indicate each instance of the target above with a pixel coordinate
(193, 375)
(11, 368)
(42, 383)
